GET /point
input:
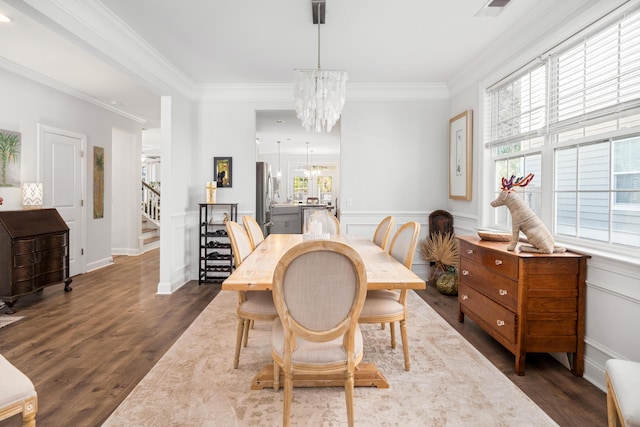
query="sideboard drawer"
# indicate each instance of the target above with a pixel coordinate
(501, 263)
(495, 318)
(499, 288)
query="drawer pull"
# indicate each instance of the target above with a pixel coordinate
(465, 272)
(498, 262)
(502, 292)
(500, 322)
(469, 251)
(465, 297)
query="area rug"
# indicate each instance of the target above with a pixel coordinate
(450, 382)
(6, 320)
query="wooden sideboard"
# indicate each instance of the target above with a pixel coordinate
(527, 302)
(34, 253)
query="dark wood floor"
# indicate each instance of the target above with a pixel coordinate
(86, 350)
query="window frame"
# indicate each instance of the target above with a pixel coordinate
(583, 123)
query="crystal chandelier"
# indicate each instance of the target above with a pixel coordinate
(319, 94)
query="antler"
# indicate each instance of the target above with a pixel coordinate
(507, 185)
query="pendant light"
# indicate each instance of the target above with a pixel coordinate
(279, 173)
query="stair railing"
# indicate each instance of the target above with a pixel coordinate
(151, 203)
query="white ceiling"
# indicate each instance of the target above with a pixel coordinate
(81, 46)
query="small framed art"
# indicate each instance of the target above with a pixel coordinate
(222, 171)
(460, 156)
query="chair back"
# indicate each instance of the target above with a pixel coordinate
(381, 236)
(240, 242)
(334, 224)
(319, 288)
(256, 236)
(404, 242)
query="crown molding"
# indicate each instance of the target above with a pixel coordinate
(523, 42)
(355, 92)
(61, 87)
(102, 30)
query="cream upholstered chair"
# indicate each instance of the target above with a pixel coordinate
(17, 394)
(623, 392)
(252, 305)
(386, 306)
(334, 227)
(383, 231)
(256, 236)
(319, 288)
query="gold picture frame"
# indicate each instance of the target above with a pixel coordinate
(460, 155)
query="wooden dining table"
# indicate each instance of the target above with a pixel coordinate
(383, 272)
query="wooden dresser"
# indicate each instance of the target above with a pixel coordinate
(34, 253)
(527, 302)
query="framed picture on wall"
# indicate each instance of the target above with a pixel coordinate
(222, 171)
(460, 156)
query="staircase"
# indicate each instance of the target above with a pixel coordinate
(150, 212)
(150, 235)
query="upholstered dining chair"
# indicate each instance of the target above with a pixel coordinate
(387, 306)
(256, 236)
(383, 232)
(334, 225)
(17, 394)
(319, 287)
(252, 305)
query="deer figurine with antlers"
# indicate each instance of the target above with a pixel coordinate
(524, 219)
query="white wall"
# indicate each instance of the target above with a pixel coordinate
(126, 178)
(613, 294)
(393, 159)
(23, 105)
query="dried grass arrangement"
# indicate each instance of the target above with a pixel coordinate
(442, 249)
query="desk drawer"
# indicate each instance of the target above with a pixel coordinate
(24, 246)
(57, 240)
(499, 288)
(491, 316)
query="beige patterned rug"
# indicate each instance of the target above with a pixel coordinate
(6, 320)
(450, 382)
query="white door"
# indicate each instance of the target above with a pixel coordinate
(63, 177)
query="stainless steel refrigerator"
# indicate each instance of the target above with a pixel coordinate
(264, 195)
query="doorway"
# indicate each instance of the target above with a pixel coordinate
(63, 177)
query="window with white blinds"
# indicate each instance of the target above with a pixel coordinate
(574, 121)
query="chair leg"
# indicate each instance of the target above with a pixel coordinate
(382, 326)
(612, 412)
(276, 376)
(288, 398)
(348, 391)
(236, 359)
(405, 344)
(29, 409)
(392, 328)
(245, 334)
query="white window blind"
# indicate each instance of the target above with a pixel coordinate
(597, 78)
(574, 121)
(518, 107)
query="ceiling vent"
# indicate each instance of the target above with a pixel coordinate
(493, 8)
